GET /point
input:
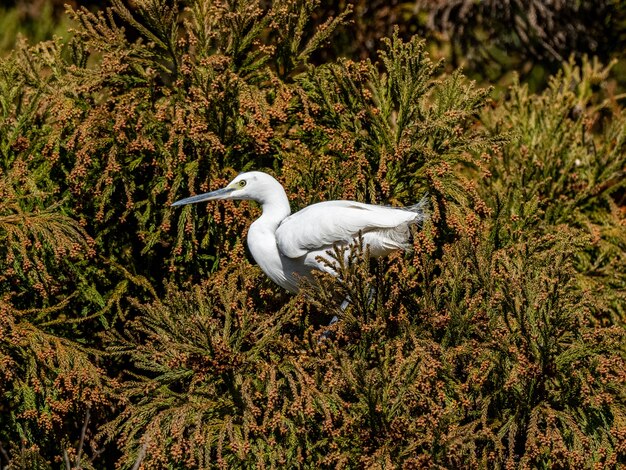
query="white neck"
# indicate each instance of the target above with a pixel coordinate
(262, 236)
(275, 206)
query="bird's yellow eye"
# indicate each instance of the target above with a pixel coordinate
(242, 183)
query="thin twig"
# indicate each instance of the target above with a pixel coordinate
(95, 454)
(79, 452)
(4, 454)
(141, 456)
(66, 459)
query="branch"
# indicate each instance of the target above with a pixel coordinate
(95, 454)
(66, 459)
(5, 455)
(141, 456)
(82, 438)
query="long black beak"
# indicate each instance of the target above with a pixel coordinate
(219, 194)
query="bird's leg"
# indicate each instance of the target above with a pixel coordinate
(344, 305)
(328, 334)
(370, 295)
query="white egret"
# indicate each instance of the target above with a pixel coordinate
(287, 247)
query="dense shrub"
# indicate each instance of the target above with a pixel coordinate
(133, 333)
(517, 34)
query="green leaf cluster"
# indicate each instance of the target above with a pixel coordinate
(126, 324)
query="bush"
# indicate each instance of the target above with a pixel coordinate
(128, 325)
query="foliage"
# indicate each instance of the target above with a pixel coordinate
(497, 34)
(38, 20)
(48, 382)
(493, 362)
(565, 172)
(129, 325)
(492, 38)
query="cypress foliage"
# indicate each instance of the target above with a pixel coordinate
(50, 384)
(565, 172)
(125, 325)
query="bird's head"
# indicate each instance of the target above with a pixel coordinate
(254, 185)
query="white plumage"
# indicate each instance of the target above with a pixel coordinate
(287, 247)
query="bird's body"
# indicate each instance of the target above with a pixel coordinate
(287, 247)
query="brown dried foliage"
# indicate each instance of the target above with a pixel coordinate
(496, 342)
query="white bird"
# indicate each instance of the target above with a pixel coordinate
(288, 247)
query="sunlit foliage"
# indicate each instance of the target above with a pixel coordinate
(137, 334)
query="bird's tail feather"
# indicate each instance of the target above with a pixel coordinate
(421, 209)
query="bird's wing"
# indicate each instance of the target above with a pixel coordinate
(323, 224)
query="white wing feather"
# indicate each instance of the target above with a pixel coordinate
(321, 225)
